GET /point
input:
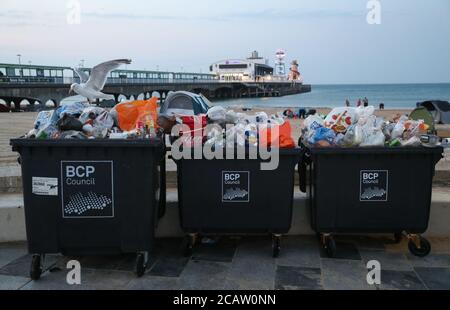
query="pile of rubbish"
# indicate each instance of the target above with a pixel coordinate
(130, 120)
(229, 129)
(359, 127)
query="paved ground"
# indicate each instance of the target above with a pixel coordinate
(243, 264)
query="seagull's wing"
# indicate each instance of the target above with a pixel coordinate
(82, 75)
(100, 72)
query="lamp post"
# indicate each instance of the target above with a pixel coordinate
(19, 57)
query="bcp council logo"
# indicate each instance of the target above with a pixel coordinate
(235, 186)
(374, 185)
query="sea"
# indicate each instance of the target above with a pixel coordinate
(394, 96)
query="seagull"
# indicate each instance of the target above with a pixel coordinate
(91, 86)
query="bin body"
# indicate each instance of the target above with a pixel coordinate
(369, 190)
(90, 197)
(234, 196)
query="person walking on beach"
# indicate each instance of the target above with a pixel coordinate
(366, 101)
(358, 104)
(347, 102)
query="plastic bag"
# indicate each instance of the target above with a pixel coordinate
(372, 133)
(339, 119)
(313, 122)
(322, 137)
(261, 117)
(399, 128)
(231, 117)
(413, 141)
(283, 139)
(414, 128)
(128, 113)
(43, 118)
(235, 135)
(104, 120)
(49, 131)
(90, 113)
(375, 138)
(353, 137)
(217, 114)
(363, 113)
(68, 122)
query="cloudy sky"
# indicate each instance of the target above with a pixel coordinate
(331, 38)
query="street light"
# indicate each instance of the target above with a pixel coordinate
(19, 56)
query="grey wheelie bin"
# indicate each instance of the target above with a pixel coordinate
(234, 196)
(91, 197)
(370, 190)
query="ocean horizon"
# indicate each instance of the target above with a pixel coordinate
(394, 96)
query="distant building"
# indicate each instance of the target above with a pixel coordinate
(254, 68)
(294, 73)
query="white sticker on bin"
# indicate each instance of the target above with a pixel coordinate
(45, 186)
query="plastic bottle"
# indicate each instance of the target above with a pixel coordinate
(33, 132)
(46, 132)
(251, 133)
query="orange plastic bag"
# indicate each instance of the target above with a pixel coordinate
(129, 113)
(283, 139)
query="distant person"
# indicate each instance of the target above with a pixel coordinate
(302, 113)
(381, 106)
(366, 101)
(358, 104)
(347, 102)
(311, 112)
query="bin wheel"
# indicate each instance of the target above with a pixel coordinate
(423, 250)
(276, 246)
(330, 246)
(140, 265)
(398, 237)
(36, 267)
(190, 242)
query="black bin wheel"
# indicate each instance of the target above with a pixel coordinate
(189, 244)
(36, 267)
(398, 237)
(276, 246)
(424, 250)
(140, 265)
(330, 246)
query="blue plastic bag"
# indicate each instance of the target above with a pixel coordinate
(322, 134)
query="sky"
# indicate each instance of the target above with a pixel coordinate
(331, 39)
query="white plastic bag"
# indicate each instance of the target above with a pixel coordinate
(399, 128)
(217, 114)
(339, 119)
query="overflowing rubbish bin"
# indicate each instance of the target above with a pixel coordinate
(370, 190)
(91, 197)
(234, 196)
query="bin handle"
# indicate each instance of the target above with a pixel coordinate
(302, 164)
